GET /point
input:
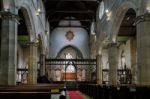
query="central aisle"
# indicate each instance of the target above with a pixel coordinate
(74, 95)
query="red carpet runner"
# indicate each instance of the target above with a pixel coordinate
(74, 95)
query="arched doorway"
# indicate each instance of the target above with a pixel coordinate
(70, 75)
(126, 40)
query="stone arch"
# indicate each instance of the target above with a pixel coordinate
(25, 36)
(29, 21)
(120, 18)
(30, 34)
(120, 13)
(72, 47)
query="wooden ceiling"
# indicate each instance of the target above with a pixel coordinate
(82, 10)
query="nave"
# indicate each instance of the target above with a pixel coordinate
(98, 49)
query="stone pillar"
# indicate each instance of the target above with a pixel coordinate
(133, 61)
(42, 65)
(143, 50)
(113, 63)
(99, 69)
(32, 64)
(8, 51)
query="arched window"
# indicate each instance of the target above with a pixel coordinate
(68, 56)
(70, 68)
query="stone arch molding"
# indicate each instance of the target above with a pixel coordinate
(70, 46)
(120, 13)
(27, 11)
(28, 5)
(33, 29)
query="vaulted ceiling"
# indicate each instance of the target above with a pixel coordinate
(82, 10)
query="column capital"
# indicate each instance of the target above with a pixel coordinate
(142, 18)
(112, 44)
(99, 55)
(7, 15)
(32, 44)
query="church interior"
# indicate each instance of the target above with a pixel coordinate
(75, 49)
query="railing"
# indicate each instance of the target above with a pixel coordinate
(124, 76)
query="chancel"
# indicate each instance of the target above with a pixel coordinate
(75, 49)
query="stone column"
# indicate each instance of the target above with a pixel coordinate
(113, 63)
(42, 65)
(8, 51)
(133, 61)
(32, 64)
(143, 49)
(99, 69)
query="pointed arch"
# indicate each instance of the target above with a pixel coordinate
(78, 52)
(120, 13)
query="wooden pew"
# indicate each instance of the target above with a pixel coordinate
(42, 91)
(116, 91)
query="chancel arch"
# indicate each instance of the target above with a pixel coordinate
(68, 52)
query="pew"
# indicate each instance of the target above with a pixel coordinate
(42, 91)
(115, 91)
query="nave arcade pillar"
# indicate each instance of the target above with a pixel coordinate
(8, 62)
(32, 63)
(113, 63)
(42, 65)
(143, 49)
(99, 69)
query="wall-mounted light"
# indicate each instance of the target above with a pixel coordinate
(46, 32)
(108, 13)
(38, 11)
